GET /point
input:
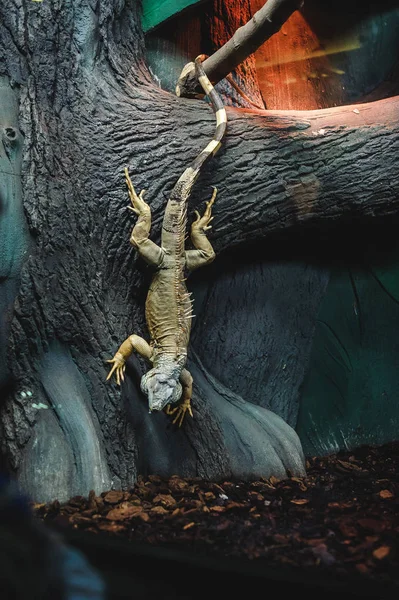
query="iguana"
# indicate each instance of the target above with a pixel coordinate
(168, 306)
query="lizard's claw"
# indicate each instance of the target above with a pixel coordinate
(139, 206)
(203, 222)
(118, 367)
(180, 412)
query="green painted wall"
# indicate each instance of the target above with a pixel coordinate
(157, 11)
(13, 230)
(351, 394)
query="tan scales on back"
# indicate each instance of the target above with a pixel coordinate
(168, 306)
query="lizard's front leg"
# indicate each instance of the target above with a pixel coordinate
(133, 342)
(204, 253)
(179, 411)
(147, 249)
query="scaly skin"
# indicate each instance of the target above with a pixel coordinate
(168, 306)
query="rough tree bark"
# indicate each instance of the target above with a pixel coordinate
(88, 108)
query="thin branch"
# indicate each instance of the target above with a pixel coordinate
(267, 21)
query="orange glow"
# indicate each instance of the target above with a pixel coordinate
(294, 69)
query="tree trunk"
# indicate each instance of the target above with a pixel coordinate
(88, 108)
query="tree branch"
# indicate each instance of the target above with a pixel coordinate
(267, 21)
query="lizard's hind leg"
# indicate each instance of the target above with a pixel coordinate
(204, 253)
(147, 249)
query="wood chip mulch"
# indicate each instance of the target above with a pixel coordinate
(342, 517)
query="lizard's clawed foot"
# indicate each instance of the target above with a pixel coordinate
(118, 367)
(203, 222)
(139, 207)
(180, 412)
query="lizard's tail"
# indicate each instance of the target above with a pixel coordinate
(219, 110)
(183, 186)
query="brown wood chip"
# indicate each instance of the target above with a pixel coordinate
(165, 500)
(113, 497)
(124, 511)
(176, 484)
(386, 494)
(349, 466)
(348, 517)
(381, 552)
(347, 530)
(217, 509)
(143, 516)
(159, 510)
(110, 527)
(372, 524)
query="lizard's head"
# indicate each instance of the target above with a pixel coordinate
(161, 387)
